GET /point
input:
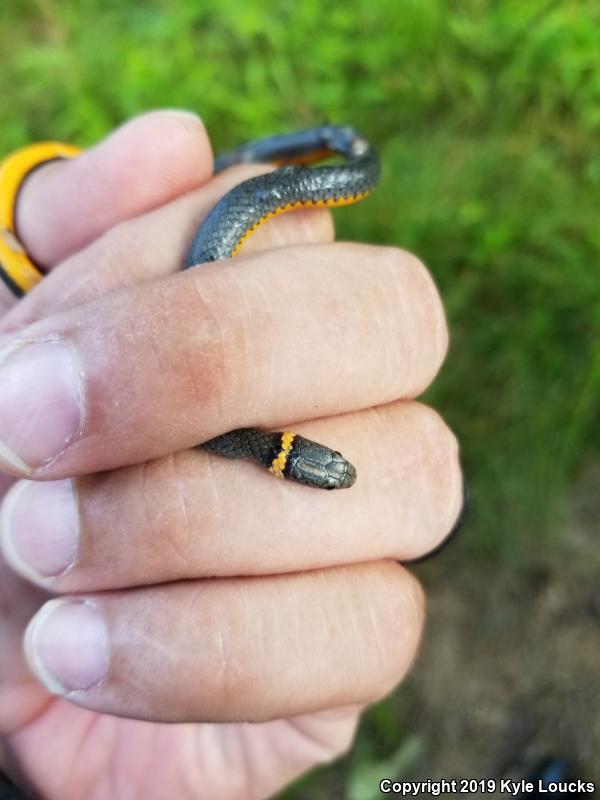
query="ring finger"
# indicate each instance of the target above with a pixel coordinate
(234, 648)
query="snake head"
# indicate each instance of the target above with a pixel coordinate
(315, 465)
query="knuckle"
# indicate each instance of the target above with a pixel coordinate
(442, 483)
(441, 439)
(402, 620)
(411, 624)
(422, 307)
(404, 262)
(434, 315)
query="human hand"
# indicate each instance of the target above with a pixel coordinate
(192, 589)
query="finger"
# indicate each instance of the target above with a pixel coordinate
(64, 205)
(154, 245)
(143, 164)
(230, 649)
(156, 369)
(195, 515)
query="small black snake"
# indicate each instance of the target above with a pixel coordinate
(237, 215)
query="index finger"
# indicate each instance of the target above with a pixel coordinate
(292, 334)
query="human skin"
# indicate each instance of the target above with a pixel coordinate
(155, 599)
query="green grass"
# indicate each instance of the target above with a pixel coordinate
(487, 118)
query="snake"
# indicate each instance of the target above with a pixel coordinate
(294, 184)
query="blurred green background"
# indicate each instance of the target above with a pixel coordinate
(487, 119)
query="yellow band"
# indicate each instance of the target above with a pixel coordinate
(16, 268)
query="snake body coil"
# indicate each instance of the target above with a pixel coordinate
(237, 215)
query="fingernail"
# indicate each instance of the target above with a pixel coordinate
(67, 646)
(40, 403)
(39, 528)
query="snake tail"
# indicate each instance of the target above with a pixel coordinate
(250, 204)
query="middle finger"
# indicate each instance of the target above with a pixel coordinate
(194, 515)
